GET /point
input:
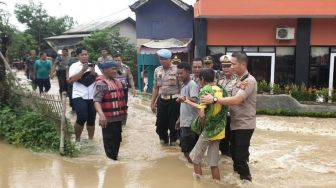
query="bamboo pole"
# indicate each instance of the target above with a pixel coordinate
(63, 122)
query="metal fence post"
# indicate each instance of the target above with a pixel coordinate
(63, 122)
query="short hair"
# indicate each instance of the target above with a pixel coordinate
(116, 54)
(80, 50)
(208, 75)
(65, 49)
(42, 53)
(241, 57)
(184, 65)
(197, 59)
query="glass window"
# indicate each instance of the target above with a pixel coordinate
(266, 49)
(319, 67)
(333, 49)
(216, 50)
(250, 49)
(284, 65)
(234, 49)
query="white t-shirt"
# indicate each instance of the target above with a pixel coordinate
(80, 90)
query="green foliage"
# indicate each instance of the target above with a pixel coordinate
(263, 87)
(32, 130)
(283, 112)
(276, 88)
(333, 98)
(324, 93)
(302, 93)
(20, 45)
(111, 40)
(41, 25)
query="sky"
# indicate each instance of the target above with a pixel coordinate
(81, 10)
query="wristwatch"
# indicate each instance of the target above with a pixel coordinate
(215, 99)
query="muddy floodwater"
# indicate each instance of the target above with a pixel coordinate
(285, 152)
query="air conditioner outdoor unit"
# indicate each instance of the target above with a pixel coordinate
(285, 33)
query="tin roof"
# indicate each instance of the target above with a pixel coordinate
(179, 3)
(103, 23)
(174, 45)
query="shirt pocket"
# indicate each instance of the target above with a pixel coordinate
(172, 80)
(158, 80)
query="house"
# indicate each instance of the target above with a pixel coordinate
(161, 24)
(287, 41)
(73, 37)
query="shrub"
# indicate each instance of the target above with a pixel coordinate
(302, 93)
(283, 112)
(263, 87)
(276, 88)
(32, 130)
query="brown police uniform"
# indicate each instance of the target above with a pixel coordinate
(167, 108)
(243, 123)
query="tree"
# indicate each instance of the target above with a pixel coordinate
(111, 40)
(20, 45)
(40, 24)
(5, 33)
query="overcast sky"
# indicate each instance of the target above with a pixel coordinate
(81, 10)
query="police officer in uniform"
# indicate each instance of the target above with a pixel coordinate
(209, 64)
(166, 89)
(243, 114)
(124, 75)
(227, 82)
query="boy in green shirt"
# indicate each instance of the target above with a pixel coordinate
(210, 124)
(42, 69)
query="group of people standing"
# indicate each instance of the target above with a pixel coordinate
(92, 88)
(208, 110)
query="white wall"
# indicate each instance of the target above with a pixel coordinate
(127, 30)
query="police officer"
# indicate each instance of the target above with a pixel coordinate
(227, 83)
(124, 75)
(209, 64)
(243, 114)
(166, 89)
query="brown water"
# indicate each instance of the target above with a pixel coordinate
(285, 152)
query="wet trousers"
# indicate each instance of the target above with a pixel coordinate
(167, 114)
(112, 139)
(240, 143)
(63, 85)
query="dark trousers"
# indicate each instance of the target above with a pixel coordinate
(240, 143)
(112, 139)
(167, 114)
(70, 86)
(43, 85)
(224, 145)
(126, 94)
(63, 85)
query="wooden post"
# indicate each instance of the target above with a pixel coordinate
(63, 122)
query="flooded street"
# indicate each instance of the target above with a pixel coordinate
(285, 152)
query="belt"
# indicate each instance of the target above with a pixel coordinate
(168, 97)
